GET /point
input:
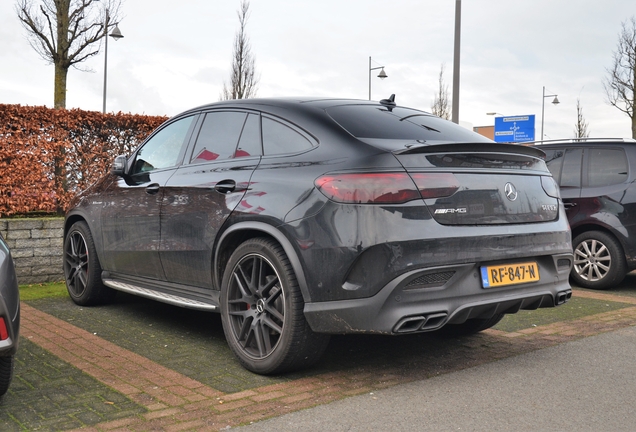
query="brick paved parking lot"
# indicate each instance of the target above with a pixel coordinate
(141, 365)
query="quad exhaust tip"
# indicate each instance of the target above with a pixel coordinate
(419, 323)
(562, 297)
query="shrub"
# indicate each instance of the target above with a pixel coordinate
(47, 156)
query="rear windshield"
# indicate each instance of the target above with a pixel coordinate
(372, 121)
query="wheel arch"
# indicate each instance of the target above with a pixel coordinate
(580, 229)
(242, 231)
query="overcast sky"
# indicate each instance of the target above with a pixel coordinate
(176, 55)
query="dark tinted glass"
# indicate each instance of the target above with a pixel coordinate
(366, 121)
(250, 142)
(218, 136)
(554, 161)
(163, 149)
(571, 172)
(278, 138)
(606, 167)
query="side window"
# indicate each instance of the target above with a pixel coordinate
(554, 161)
(571, 172)
(606, 167)
(218, 136)
(250, 141)
(164, 148)
(278, 138)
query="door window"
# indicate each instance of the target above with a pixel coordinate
(218, 137)
(164, 148)
(571, 172)
(554, 162)
(250, 141)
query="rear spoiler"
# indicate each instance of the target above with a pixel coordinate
(471, 148)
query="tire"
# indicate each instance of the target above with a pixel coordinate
(6, 373)
(471, 326)
(262, 311)
(82, 270)
(599, 261)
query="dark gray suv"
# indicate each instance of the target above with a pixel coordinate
(300, 218)
(596, 178)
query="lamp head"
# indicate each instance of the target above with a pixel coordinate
(116, 33)
(382, 74)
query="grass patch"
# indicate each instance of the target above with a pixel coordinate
(576, 308)
(44, 290)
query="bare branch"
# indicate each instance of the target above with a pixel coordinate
(64, 32)
(243, 79)
(620, 82)
(440, 105)
(581, 127)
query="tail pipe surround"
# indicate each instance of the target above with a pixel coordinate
(562, 297)
(418, 323)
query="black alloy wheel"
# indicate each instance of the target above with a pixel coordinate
(262, 311)
(82, 269)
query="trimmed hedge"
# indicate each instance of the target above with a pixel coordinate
(47, 156)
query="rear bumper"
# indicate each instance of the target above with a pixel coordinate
(427, 299)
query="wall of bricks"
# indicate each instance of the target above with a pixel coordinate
(36, 247)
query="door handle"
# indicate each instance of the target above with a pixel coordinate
(225, 186)
(152, 189)
(568, 205)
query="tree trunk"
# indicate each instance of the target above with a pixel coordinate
(59, 96)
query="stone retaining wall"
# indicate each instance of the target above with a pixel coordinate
(36, 247)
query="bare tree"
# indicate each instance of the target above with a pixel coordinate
(581, 127)
(66, 32)
(621, 80)
(440, 105)
(244, 80)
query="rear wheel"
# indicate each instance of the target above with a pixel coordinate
(599, 261)
(471, 326)
(262, 311)
(82, 270)
(6, 373)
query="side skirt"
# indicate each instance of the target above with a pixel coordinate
(182, 296)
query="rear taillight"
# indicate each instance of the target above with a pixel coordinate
(4, 333)
(550, 187)
(386, 188)
(435, 185)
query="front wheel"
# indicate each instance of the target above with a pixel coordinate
(599, 261)
(262, 311)
(82, 270)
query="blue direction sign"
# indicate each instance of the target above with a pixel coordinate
(514, 128)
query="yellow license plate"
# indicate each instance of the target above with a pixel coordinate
(509, 274)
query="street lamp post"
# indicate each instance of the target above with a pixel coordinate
(555, 102)
(115, 34)
(381, 75)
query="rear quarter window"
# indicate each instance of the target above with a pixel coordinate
(606, 167)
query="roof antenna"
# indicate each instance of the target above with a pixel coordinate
(389, 102)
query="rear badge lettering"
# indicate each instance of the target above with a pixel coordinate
(451, 210)
(549, 207)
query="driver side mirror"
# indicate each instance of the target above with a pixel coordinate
(119, 166)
